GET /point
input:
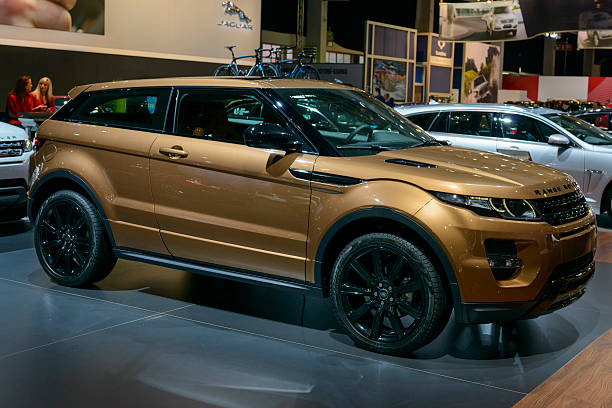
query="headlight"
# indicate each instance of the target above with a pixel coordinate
(27, 145)
(507, 208)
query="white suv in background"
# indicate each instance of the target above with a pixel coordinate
(501, 18)
(15, 152)
(544, 136)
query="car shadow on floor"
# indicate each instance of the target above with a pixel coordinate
(469, 342)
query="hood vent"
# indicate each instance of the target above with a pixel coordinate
(411, 163)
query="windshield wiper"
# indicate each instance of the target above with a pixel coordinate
(431, 143)
(367, 147)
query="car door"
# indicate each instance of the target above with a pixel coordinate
(221, 202)
(526, 138)
(473, 129)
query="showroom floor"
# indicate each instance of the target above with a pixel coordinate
(159, 337)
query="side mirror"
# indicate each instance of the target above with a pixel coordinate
(271, 136)
(558, 140)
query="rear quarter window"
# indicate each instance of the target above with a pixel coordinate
(140, 108)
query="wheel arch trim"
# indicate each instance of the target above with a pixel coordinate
(412, 225)
(66, 174)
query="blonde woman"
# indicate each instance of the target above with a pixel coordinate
(43, 96)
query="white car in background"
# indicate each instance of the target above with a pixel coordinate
(15, 152)
(501, 18)
(480, 87)
(544, 136)
(595, 36)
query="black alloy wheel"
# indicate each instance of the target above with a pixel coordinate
(388, 295)
(70, 241)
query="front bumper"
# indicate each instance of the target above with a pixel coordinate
(14, 179)
(561, 291)
(557, 262)
(505, 27)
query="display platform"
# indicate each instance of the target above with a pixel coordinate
(159, 337)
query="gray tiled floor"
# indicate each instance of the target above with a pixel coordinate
(149, 336)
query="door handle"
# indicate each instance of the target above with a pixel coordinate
(514, 151)
(174, 152)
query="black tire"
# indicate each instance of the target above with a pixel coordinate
(225, 70)
(388, 295)
(513, 33)
(70, 240)
(307, 72)
(269, 70)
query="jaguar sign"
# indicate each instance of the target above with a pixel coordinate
(243, 23)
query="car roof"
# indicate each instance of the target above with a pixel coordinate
(603, 110)
(407, 110)
(237, 82)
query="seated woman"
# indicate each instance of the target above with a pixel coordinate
(43, 96)
(19, 100)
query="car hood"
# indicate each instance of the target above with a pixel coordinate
(10, 132)
(504, 16)
(454, 170)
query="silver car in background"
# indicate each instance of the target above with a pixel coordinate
(544, 136)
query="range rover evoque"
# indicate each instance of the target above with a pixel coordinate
(306, 186)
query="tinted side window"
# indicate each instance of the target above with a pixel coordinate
(519, 127)
(221, 114)
(141, 108)
(597, 119)
(470, 123)
(441, 123)
(423, 119)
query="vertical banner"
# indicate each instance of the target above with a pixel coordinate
(481, 73)
(390, 61)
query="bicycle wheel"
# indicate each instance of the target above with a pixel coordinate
(306, 72)
(269, 70)
(225, 70)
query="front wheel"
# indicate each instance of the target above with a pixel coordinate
(388, 295)
(307, 72)
(266, 70)
(70, 240)
(225, 70)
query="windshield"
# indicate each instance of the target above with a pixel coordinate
(353, 122)
(581, 129)
(501, 10)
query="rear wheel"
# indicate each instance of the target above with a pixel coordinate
(388, 295)
(70, 240)
(307, 72)
(225, 70)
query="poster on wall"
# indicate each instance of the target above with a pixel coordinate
(594, 39)
(81, 16)
(502, 20)
(481, 73)
(194, 31)
(481, 21)
(390, 77)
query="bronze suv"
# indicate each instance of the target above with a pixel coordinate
(306, 186)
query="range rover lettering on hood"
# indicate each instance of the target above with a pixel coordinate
(549, 190)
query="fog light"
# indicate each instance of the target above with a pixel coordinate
(504, 267)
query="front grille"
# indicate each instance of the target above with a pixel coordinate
(11, 149)
(562, 209)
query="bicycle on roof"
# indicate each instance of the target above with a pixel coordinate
(301, 70)
(263, 69)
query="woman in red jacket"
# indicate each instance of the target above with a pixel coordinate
(43, 96)
(19, 100)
